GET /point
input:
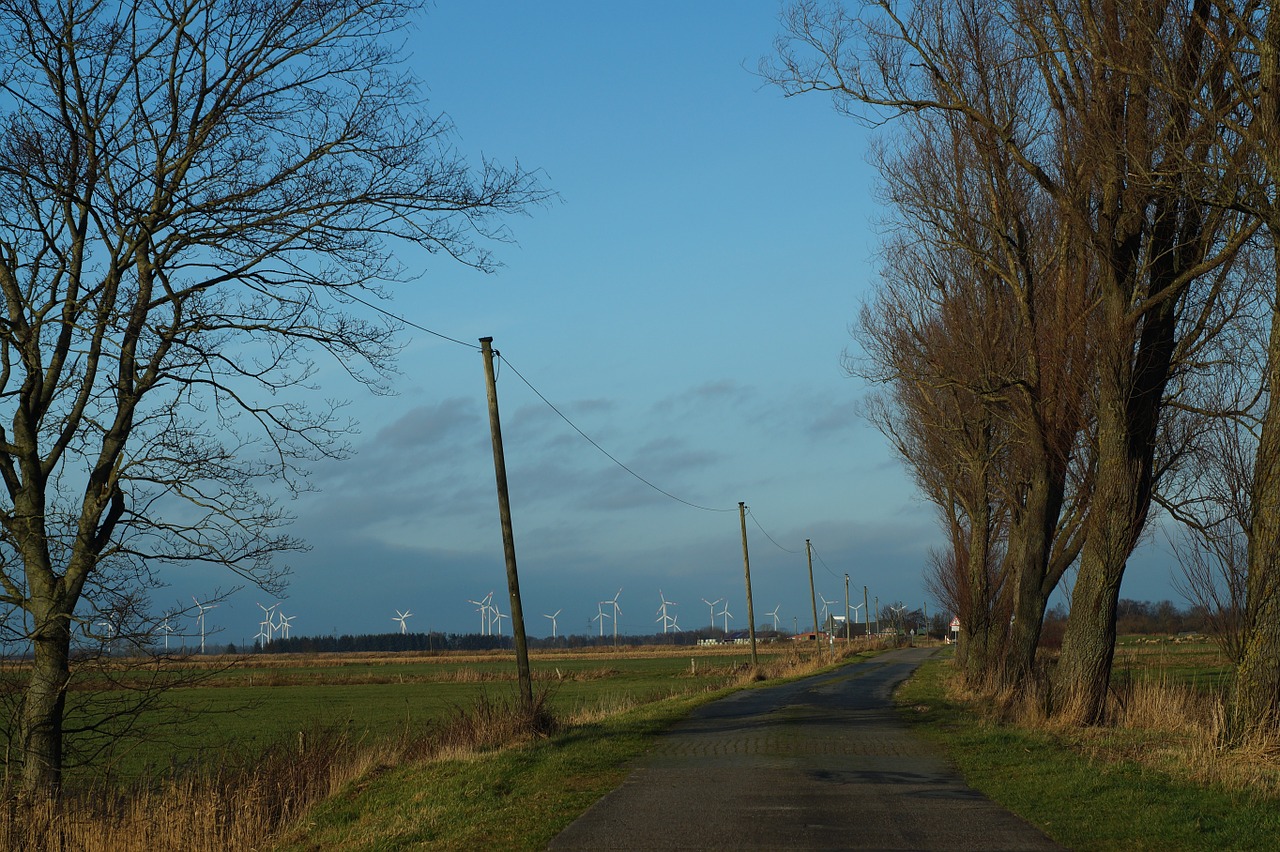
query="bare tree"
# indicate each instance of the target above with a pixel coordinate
(1138, 177)
(197, 193)
(1252, 39)
(956, 191)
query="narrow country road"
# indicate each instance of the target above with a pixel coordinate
(820, 763)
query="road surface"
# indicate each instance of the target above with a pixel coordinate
(819, 763)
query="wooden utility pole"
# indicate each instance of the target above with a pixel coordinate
(866, 613)
(813, 596)
(746, 567)
(508, 536)
(848, 635)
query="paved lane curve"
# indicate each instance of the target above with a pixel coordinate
(820, 763)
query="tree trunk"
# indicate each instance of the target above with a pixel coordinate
(1255, 694)
(981, 654)
(44, 705)
(1117, 513)
(1030, 542)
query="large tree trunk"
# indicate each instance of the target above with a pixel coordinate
(1255, 695)
(1030, 545)
(979, 657)
(43, 706)
(1117, 512)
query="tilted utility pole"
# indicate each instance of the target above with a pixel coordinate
(847, 634)
(866, 612)
(813, 597)
(508, 536)
(746, 567)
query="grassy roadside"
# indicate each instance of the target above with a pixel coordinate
(1095, 798)
(517, 797)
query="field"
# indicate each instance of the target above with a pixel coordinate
(280, 750)
(1188, 660)
(242, 706)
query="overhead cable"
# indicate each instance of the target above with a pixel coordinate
(605, 452)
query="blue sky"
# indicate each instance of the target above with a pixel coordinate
(685, 303)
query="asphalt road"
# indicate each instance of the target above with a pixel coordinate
(820, 763)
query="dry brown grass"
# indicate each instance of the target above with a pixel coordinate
(1155, 721)
(243, 802)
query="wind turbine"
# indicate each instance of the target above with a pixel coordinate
(825, 603)
(774, 616)
(667, 620)
(166, 629)
(401, 617)
(200, 618)
(616, 609)
(727, 615)
(601, 615)
(855, 611)
(712, 604)
(484, 615)
(266, 626)
(495, 615)
(283, 625)
(553, 622)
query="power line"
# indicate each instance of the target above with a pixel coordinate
(353, 297)
(605, 452)
(498, 355)
(766, 533)
(824, 564)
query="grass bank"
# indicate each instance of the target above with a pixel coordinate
(1153, 781)
(484, 775)
(515, 798)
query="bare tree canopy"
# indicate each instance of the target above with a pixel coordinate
(1110, 169)
(195, 195)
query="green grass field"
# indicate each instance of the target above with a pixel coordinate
(238, 711)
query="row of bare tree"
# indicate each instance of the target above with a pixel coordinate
(1076, 319)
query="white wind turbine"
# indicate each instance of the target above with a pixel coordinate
(616, 609)
(712, 604)
(166, 628)
(774, 616)
(483, 609)
(825, 603)
(283, 624)
(553, 622)
(727, 615)
(492, 614)
(498, 616)
(601, 615)
(266, 629)
(200, 618)
(402, 617)
(667, 620)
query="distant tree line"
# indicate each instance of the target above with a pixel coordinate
(1134, 617)
(437, 641)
